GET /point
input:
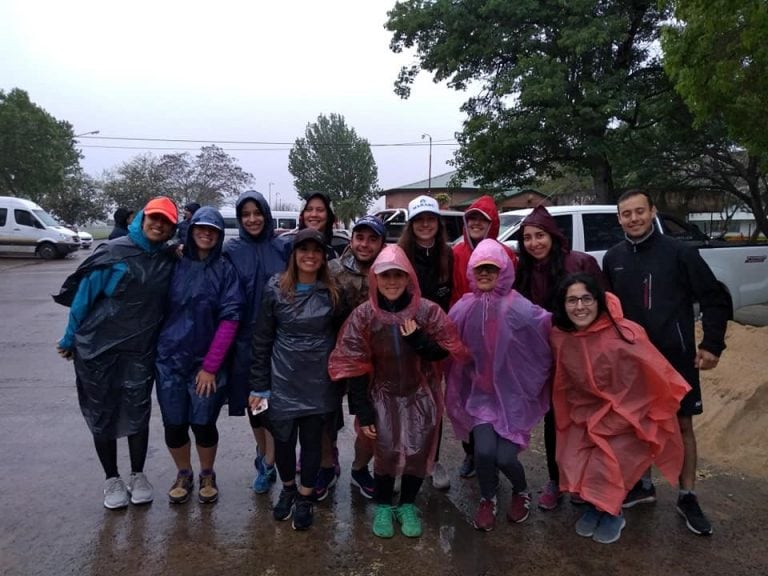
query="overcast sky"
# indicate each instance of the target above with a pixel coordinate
(224, 71)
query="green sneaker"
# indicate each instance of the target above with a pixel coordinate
(408, 516)
(383, 523)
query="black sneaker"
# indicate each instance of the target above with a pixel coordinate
(303, 513)
(688, 507)
(640, 495)
(284, 507)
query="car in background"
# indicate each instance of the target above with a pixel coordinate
(284, 221)
(86, 239)
(396, 219)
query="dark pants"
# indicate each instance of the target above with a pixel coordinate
(309, 431)
(385, 488)
(493, 453)
(106, 449)
(550, 446)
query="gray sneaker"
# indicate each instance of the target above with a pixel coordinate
(140, 489)
(115, 493)
(440, 479)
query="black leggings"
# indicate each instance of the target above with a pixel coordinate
(106, 449)
(206, 436)
(309, 431)
(385, 488)
(550, 446)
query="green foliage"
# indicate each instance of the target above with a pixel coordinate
(37, 152)
(332, 158)
(717, 55)
(79, 201)
(208, 178)
(560, 83)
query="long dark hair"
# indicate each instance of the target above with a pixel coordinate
(326, 200)
(559, 315)
(290, 278)
(555, 269)
(409, 245)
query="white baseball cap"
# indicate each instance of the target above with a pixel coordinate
(422, 204)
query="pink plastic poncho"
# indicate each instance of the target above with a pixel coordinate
(615, 407)
(507, 382)
(405, 389)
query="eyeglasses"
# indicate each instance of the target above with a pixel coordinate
(586, 300)
(486, 269)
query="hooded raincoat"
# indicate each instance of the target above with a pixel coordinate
(616, 406)
(117, 300)
(405, 388)
(204, 301)
(294, 336)
(536, 279)
(506, 383)
(256, 259)
(463, 250)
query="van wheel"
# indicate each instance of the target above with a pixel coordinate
(47, 251)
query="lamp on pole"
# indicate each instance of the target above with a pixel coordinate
(270, 193)
(91, 133)
(429, 186)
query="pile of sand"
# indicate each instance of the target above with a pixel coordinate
(733, 431)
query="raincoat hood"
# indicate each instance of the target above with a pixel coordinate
(204, 215)
(490, 251)
(542, 219)
(328, 232)
(136, 234)
(392, 253)
(269, 224)
(487, 207)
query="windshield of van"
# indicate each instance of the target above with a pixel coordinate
(45, 218)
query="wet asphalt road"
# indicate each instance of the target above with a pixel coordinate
(52, 520)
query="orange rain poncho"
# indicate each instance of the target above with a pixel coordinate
(405, 389)
(615, 406)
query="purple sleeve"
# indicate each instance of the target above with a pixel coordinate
(225, 335)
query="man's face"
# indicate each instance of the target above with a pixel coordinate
(636, 216)
(365, 245)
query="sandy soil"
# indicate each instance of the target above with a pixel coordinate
(733, 431)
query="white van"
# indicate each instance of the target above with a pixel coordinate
(284, 221)
(28, 230)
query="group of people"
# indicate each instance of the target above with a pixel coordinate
(281, 328)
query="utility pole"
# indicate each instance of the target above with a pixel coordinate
(429, 186)
(270, 193)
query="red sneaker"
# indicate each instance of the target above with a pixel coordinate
(519, 507)
(485, 517)
(550, 496)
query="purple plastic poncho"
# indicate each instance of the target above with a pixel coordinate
(405, 389)
(506, 384)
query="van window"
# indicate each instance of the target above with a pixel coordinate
(230, 223)
(3, 216)
(286, 223)
(24, 218)
(565, 223)
(601, 231)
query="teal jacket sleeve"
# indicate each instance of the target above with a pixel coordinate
(101, 281)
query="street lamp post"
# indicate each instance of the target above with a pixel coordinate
(429, 186)
(270, 193)
(91, 133)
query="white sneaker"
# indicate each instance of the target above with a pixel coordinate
(140, 489)
(440, 479)
(115, 493)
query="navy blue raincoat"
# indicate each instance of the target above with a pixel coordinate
(256, 259)
(202, 294)
(117, 299)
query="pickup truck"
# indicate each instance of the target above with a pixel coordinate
(742, 269)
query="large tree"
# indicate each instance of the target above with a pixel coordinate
(208, 178)
(79, 201)
(559, 84)
(716, 51)
(37, 152)
(332, 158)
